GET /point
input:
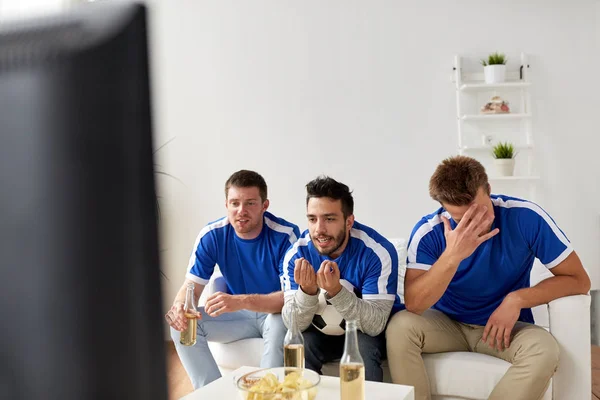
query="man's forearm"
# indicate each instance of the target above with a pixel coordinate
(424, 291)
(371, 315)
(546, 291)
(266, 303)
(307, 306)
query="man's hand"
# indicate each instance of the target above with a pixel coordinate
(219, 303)
(501, 323)
(468, 234)
(176, 317)
(305, 276)
(328, 278)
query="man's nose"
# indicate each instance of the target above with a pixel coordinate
(319, 227)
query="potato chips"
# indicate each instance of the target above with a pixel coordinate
(269, 388)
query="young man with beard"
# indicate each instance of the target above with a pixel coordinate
(467, 283)
(248, 246)
(336, 247)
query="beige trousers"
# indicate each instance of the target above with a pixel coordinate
(533, 353)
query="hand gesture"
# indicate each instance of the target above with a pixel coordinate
(176, 317)
(305, 276)
(469, 233)
(219, 303)
(328, 277)
(500, 325)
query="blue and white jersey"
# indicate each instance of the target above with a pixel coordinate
(369, 262)
(248, 266)
(499, 265)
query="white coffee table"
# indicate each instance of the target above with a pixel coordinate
(329, 389)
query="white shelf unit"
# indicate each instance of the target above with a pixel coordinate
(472, 86)
(487, 117)
(478, 133)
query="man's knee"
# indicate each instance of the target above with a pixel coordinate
(543, 350)
(549, 351)
(403, 326)
(274, 327)
(372, 348)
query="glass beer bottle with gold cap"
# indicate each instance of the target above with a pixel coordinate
(188, 336)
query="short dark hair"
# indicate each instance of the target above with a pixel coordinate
(325, 186)
(457, 179)
(246, 178)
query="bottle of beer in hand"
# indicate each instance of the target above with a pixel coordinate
(352, 367)
(188, 336)
(293, 343)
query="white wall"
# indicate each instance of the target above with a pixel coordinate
(361, 91)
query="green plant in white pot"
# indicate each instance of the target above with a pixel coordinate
(504, 154)
(494, 68)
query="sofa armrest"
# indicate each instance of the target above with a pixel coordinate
(570, 325)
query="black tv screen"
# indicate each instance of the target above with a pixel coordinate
(80, 306)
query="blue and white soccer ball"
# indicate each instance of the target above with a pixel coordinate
(327, 319)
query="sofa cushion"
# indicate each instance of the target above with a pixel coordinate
(231, 356)
(449, 372)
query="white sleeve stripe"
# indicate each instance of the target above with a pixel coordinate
(218, 224)
(197, 279)
(424, 267)
(286, 260)
(382, 253)
(539, 211)
(421, 232)
(282, 228)
(379, 297)
(560, 258)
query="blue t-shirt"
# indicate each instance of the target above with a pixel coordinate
(248, 266)
(369, 263)
(499, 265)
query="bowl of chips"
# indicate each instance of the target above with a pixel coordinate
(283, 383)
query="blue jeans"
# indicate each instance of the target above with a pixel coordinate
(199, 362)
(320, 349)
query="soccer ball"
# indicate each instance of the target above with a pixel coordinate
(327, 319)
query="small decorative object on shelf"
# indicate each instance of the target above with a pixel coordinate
(495, 106)
(504, 154)
(494, 68)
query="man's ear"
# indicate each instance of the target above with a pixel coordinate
(349, 221)
(266, 204)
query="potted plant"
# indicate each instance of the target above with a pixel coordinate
(504, 155)
(494, 68)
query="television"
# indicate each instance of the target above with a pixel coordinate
(79, 267)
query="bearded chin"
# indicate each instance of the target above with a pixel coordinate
(339, 240)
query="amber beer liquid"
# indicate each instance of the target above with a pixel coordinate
(188, 336)
(352, 367)
(293, 355)
(352, 381)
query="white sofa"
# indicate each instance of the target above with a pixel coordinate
(462, 375)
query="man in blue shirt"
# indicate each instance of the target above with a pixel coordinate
(248, 246)
(333, 249)
(467, 283)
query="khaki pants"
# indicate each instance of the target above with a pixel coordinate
(533, 353)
